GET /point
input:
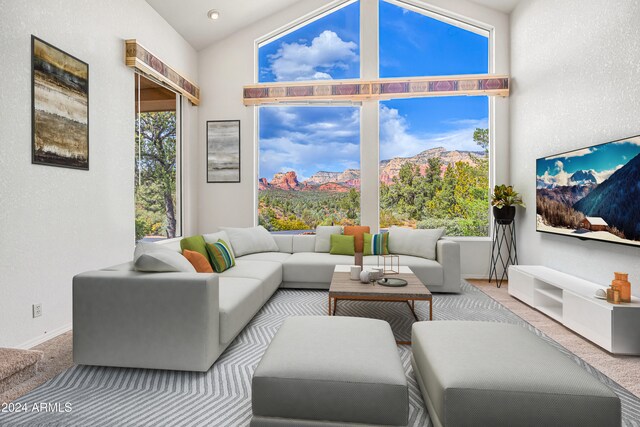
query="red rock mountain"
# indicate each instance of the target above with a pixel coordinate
(285, 181)
(350, 178)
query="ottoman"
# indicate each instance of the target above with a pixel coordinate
(330, 371)
(481, 373)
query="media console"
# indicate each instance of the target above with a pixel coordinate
(571, 301)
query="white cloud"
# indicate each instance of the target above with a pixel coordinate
(604, 175)
(306, 146)
(397, 140)
(635, 141)
(300, 61)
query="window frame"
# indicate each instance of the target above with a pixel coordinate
(441, 14)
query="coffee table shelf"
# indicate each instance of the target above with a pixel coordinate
(343, 288)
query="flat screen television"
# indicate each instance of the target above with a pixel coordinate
(592, 193)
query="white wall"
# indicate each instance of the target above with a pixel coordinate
(59, 222)
(229, 64)
(575, 83)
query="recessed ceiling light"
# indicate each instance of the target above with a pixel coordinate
(213, 14)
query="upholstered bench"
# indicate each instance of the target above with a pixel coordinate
(496, 374)
(330, 371)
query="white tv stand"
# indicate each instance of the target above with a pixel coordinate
(571, 301)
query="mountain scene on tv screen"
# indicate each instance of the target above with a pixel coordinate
(592, 192)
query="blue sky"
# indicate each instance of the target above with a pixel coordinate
(309, 139)
(604, 159)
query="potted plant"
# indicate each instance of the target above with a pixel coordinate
(504, 201)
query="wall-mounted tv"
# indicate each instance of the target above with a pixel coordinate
(591, 193)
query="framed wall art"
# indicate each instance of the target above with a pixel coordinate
(223, 151)
(60, 107)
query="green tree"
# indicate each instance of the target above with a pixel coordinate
(156, 163)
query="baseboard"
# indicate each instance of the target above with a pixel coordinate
(476, 276)
(45, 337)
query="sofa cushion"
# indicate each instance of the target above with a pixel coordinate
(221, 256)
(150, 257)
(357, 231)
(266, 256)
(199, 262)
(250, 240)
(304, 243)
(214, 237)
(430, 273)
(342, 245)
(376, 244)
(240, 300)
(325, 370)
(323, 236)
(195, 243)
(268, 273)
(310, 267)
(406, 241)
(284, 242)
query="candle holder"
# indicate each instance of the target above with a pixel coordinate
(390, 263)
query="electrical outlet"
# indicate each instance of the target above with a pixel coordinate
(37, 310)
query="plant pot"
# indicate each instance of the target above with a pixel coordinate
(504, 215)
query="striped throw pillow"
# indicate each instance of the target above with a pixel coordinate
(376, 244)
(221, 256)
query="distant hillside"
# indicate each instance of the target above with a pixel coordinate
(390, 169)
(617, 200)
(567, 195)
(350, 178)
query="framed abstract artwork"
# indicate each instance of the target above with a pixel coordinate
(60, 107)
(223, 151)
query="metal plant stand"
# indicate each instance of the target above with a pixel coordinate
(504, 236)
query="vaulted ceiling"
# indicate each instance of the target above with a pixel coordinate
(189, 17)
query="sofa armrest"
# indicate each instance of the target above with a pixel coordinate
(146, 320)
(448, 255)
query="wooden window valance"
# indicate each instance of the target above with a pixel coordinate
(139, 58)
(381, 89)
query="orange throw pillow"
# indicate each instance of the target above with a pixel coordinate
(199, 262)
(357, 231)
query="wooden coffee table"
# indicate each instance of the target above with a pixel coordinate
(343, 288)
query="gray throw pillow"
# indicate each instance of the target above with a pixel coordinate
(323, 236)
(407, 241)
(250, 240)
(150, 257)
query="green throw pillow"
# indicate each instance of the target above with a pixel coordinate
(221, 256)
(195, 243)
(376, 244)
(342, 245)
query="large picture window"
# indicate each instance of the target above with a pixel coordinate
(434, 163)
(309, 167)
(157, 168)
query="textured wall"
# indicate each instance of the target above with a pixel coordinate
(59, 222)
(229, 64)
(575, 67)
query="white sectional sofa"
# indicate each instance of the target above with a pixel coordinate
(184, 321)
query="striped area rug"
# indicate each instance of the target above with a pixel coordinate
(100, 396)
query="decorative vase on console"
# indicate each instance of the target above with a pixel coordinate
(504, 201)
(621, 283)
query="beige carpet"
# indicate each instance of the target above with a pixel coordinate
(625, 370)
(57, 357)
